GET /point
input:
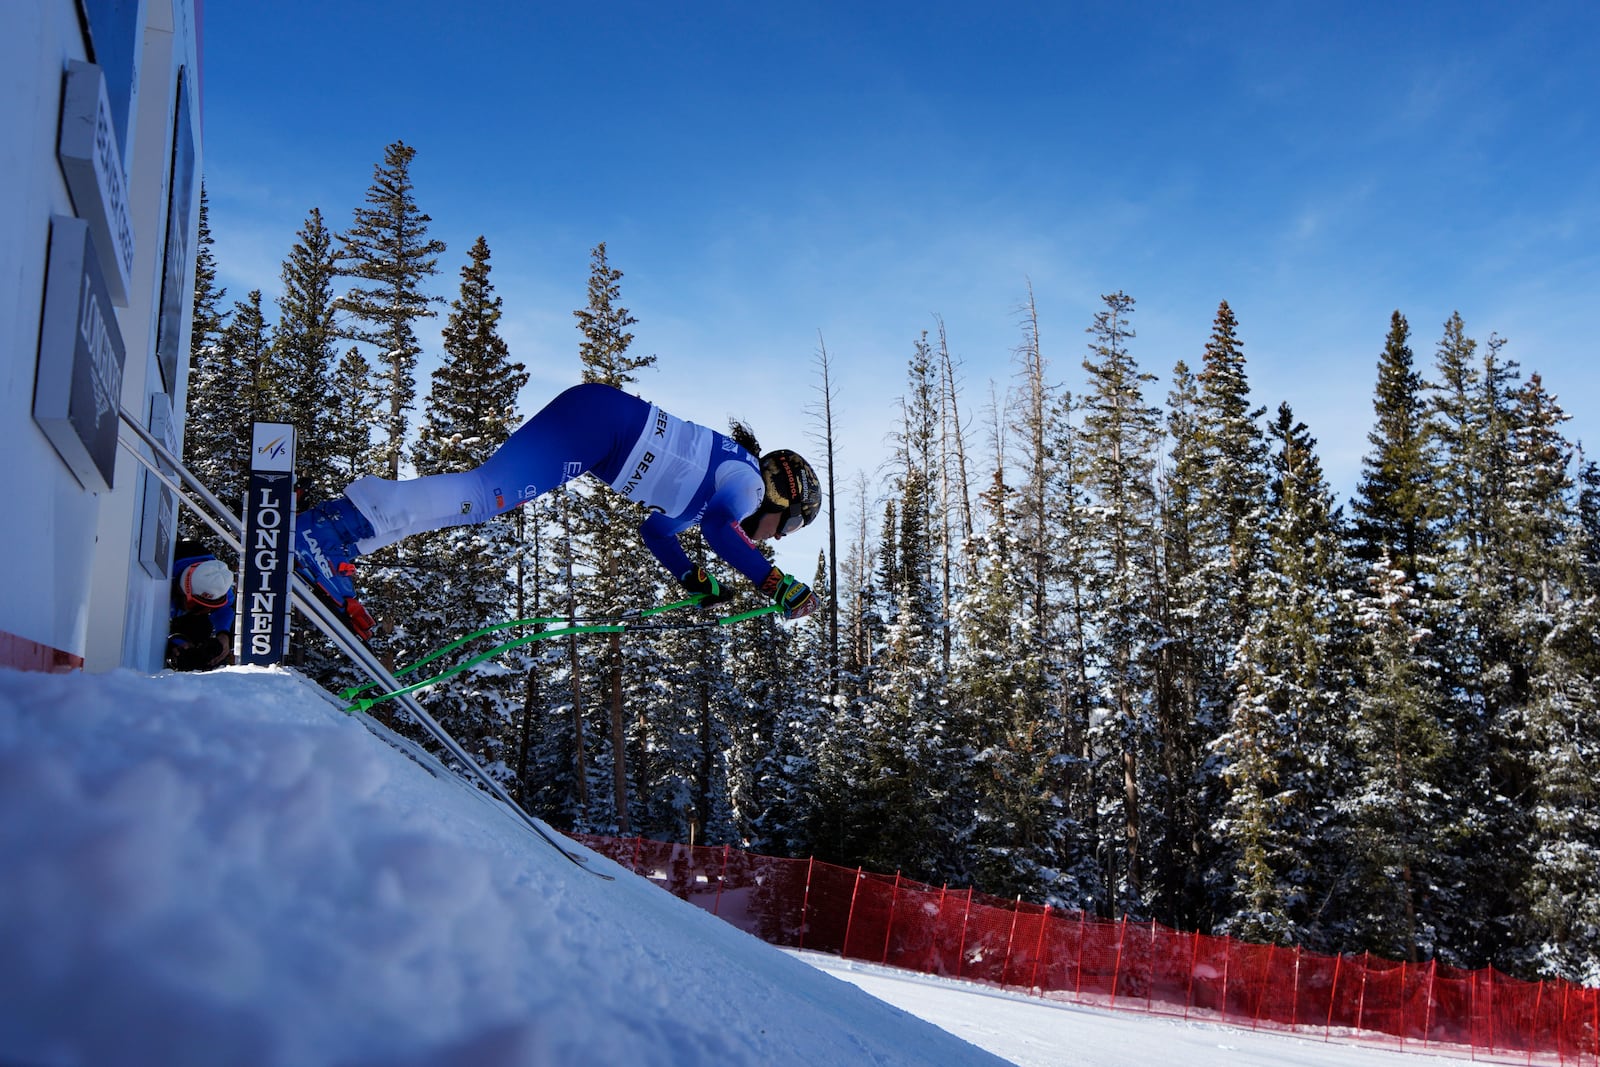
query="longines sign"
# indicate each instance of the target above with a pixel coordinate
(268, 527)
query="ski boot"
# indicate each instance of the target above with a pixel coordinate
(324, 550)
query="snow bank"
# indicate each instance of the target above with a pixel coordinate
(225, 869)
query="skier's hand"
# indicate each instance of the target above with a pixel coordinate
(794, 597)
(705, 586)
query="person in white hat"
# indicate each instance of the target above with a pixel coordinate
(200, 628)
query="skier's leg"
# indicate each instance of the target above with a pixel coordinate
(587, 427)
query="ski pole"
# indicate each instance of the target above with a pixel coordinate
(574, 620)
(366, 703)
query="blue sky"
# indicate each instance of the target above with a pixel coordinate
(769, 177)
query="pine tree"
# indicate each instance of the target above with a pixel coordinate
(353, 407)
(1218, 489)
(236, 383)
(1023, 838)
(1392, 506)
(1484, 664)
(1121, 435)
(457, 579)
(1278, 749)
(606, 544)
(210, 430)
(909, 777)
(1397, 824)
(208, 319)
(306, 341)
(388, 254)
(1187, 683)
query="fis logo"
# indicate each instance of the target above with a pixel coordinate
(274, 449)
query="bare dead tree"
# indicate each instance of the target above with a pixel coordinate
(824, 436)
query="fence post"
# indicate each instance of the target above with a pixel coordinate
(1361, 999)
(1333, 995)
(805, 903)
(1472, 1010)
(1038, 951)
(1533, 1031)
(1011, 937)
(888, 930)
(722, 880)
(1488, 973)
(1150, 978)
(1401, 1007)
(1227, 973)
(1294, 996)
(961, 953)
(933, 942)
(1188, 984)
(1116, 968)
(1561, 1029)
(1083, 929)
(849, 921)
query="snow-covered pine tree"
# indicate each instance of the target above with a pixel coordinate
(456, 580)
(1557, 614)
(1393, 504)
(607, 550)
(1394, 809)
(1278, 750)
(1484, 663)
(1023, 839)
(208, 423)
(1219, 487)
(353, 406)
(388, 254)
(237, 382)
(1121, 440)
(1186, 682)
(307, 347)
(911, 774)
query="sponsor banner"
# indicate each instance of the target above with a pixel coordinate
(268, 561)
(91, 162)
(158, 519)
(78, 384)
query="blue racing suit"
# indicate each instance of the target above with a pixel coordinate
(681, 472)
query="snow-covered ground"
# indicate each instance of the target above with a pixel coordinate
(226, 869)
(1031, 1032)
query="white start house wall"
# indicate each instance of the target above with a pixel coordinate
(99, 208)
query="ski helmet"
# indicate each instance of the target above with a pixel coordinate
(793, 491)
(207, 583)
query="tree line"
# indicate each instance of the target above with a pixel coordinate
(1107, 651)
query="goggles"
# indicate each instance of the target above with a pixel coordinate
(791, 519)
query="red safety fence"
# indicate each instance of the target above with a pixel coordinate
(886, 919)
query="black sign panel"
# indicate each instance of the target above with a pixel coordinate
(263, 602)
(78, 386)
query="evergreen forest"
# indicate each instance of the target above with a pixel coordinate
(1090, 645)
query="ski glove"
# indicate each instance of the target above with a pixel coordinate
(708, 588)
(794, 597)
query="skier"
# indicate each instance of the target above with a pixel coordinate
(681, 472)
(200, 626)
